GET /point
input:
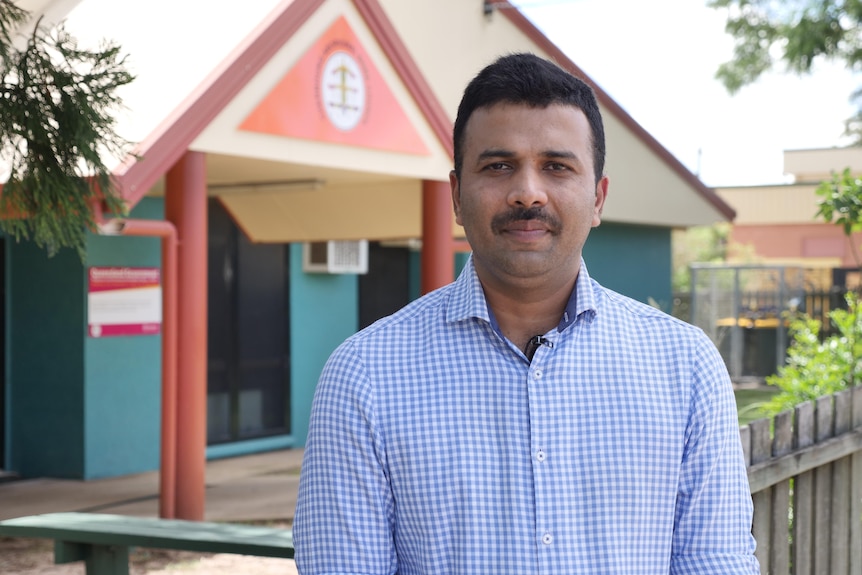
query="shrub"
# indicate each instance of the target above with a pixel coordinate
(815, 366)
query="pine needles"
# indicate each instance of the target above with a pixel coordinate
(57, 106)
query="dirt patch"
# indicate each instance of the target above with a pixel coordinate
(25, 556)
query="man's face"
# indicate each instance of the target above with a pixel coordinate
(527, 195)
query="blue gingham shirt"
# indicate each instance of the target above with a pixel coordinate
(436, 447)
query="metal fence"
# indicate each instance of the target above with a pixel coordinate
(745, 309)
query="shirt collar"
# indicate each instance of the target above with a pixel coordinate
(468, 298)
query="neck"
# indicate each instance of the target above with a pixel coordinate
(525, 313)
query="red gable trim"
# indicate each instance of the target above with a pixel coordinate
(406, 68)
(161, 149)
(534, 34)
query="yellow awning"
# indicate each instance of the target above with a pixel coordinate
(383, 211)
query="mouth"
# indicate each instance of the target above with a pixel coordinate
(525, 224)
(525, 231)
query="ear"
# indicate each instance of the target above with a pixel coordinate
(456, 196)
(601, 196)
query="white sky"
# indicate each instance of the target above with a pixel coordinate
(658, 60)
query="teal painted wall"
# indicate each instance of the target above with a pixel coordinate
(324, 311)
(45, 362)
(122, 394)
(633, 260)
(79, 407)
(460, 261)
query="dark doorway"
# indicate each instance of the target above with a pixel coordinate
(386, 287)
(248, 378)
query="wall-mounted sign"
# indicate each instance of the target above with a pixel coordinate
(342, 90)
(124, 301)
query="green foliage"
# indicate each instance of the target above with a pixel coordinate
(793, 32)
(11, 16)
(57, 118)
(841, 203)
(702, 244)
(814, 367)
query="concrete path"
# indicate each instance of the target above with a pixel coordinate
(252, 487)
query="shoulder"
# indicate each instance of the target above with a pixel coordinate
(397, 334)
(651, 332)
(630, 311)
(430, 308)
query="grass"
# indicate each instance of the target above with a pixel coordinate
(747, 401)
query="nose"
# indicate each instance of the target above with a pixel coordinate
(527, 189)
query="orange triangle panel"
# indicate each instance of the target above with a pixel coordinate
(336, 94)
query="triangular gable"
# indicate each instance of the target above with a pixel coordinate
(172, 138)
(335, 93)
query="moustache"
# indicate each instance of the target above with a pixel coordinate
(500, 221)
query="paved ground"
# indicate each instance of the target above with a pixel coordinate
(250, 488)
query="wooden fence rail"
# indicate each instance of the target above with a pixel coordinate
(805, 471)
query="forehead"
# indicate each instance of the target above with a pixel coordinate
(507, 125)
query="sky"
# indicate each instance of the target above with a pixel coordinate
(658, 61)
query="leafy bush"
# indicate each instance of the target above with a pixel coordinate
(814, 367)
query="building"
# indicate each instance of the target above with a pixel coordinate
(780, 222)
(800, 263)
(250, 167)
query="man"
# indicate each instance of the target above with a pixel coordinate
(524, 419)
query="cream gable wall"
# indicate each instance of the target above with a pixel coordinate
(451, 40)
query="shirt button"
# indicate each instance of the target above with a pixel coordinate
(540, 455)
(547, 539)
(537, 374)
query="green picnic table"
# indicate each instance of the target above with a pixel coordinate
(103, 541)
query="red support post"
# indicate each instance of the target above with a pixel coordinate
(186, 208)
(438, 264)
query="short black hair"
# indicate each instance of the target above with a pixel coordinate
(528, 79)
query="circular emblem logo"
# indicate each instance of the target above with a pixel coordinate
(342, 88)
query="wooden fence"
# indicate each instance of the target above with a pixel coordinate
(805, 471)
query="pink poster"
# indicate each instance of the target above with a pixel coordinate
(124, 301)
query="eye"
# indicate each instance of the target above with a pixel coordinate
(556, 167)
(497, 166)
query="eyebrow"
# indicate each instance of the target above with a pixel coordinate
(503, 153)
(566, 155)
(495, 153)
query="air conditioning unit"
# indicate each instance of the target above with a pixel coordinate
(335, 257)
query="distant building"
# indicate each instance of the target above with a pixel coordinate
(800, 263)
(779, 222)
